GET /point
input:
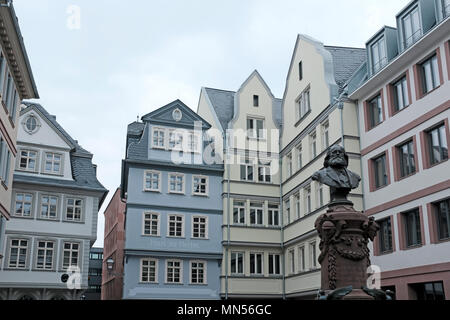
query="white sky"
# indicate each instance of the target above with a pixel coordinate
(130, 57)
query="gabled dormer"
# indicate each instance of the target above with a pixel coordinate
(381, 49)
(442, 9)
(415, 20)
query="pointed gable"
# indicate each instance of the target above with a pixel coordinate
(176, 114)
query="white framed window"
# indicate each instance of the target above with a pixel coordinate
(45, 255)
(151, 224)
(18, 252)
(176, 139)
(313, 145)
(158, 138)
(176, 183)
(23, 204)
(2, 71)
(149, 270)
(256, 213)
(5, 159)
(289, 169)
(325, 135)
(287, 210)
(303, 104)
(274, 214)
(237, 263)
(274, 264)
(152, 181)
(299, 156)
(200, 185)
(49, 207)
(411, 27)
(53, 163)
(319, 195)
(264, 172)
(74, 208)
(301, 258)
(194, 142)
(379, 57)
(255, 128)
(297, 205)
(198, 272)
(238, 212)
(175, 226)
(313, 255)
(174, 271)
(291, 257)
(71, 255)
(247, 170)
(28, 160)
(308, 204)
(31, 124)
(256, 263)
(199, 227)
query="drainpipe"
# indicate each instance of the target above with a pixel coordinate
(227, 150)
(360, 162)
(281, 213)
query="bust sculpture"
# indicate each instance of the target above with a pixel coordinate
(336, 175)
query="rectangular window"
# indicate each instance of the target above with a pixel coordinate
(313, 145)
(319, 195)
(49, 207)
(412, 228)
(176, 140)
(174, 271)
(429, 71)
(71, 254)
(149, 270)
(385, 235)
(28, 160)
(159, 138)
(256, 101)
(176, 183)
(303, 104)
(255, 128)
(437, 142)
(256, 213)
(193, 142)
(291, 262)
(5, 158)
(198, 272)
(24, 204)
(299, 157)
(380, 171)
(239, 212)
(52, 163)
(401, 99)
(289, 165)
(247, 170)
(313, 255)
(274, 264)
(411, 27)
(301, 259)
(45, 254)
(379, 58)
(199, 227)
(300, 70)
(287, 210)
(308, 203)
(325, 135)
(274, 213)
(152, 181)
(429, 291)
(406, 158)
(446, 8)
(442, 210)
(256, 263)
(237, 263)
(297, 205)
(375, 111)
(18, 254)
(200, 185)
(9, 92)
(74, 209)
(264, 174)
(151, 224)
(2, 71)
(176, 226)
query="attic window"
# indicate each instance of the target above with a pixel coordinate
(256, 101)
(300, 70)
(177, 115)
(31, 124)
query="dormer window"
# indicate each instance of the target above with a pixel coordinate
(446, 7)
(379, 58)
(28, 160)
(411, 27)
(53, 163)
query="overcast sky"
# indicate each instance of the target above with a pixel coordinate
(129, 57)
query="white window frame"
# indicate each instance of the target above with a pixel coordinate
(303, 104)
(254, 133)
(301, 258)
(71, 251)
(178, 141)
(287, 210)
(23, 202)
(52, 267)
(158, 223)
(291, 261)
(159, 180)
(53, 161)
(41, 203)
(176, 174)
(271, 213)
(289, 166)
(36, 160)
(181, 271)
(205, 272)
(308, 200)
(319, 195)
(194, 142)
(313, 144)
(81, 207)
(248, 163)
(149, 260)
(274, 264)
(378, 49)
(297, 203)
(259, 212)
(299, 150)
(255, 254)
(19, 247)
(182, 225)
(159, 130)
(325, 134)
(266, 168)
(313, 255)
(206, 186)
(237, 254)
(242, 210)
(206, 223)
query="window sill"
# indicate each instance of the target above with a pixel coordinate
(43, 270)
(385, 253)
(201, 195)
(198, 284)
(75, 222)
(48, 219)
(375, 126)
(379, 188)
(22, 217)
(395, 112)
(177, 193)
(406, 177)
(302, 118)
(4, 107)
(423, 95)
(147, 283)
(13, 125)
(174, 237)
(150, 236)
(154, 191)
(413, 247)
(436, 164)
(201, 239)
(174, 283)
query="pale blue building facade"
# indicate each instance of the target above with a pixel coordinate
(173, 228)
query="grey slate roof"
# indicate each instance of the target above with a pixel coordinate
(278, 111)
(346, 61)
(83, 171)
(223, 103)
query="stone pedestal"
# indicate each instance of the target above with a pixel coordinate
(345, 257)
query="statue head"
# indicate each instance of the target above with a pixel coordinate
(336, 157)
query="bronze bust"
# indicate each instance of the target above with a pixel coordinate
(337, 176)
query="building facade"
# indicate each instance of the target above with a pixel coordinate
(402, 92)
(94, 291)
(248, 121)
(173, 208)
(16, 83)
(113, 248)
(53, 225)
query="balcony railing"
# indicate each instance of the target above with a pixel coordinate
(412, 39)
